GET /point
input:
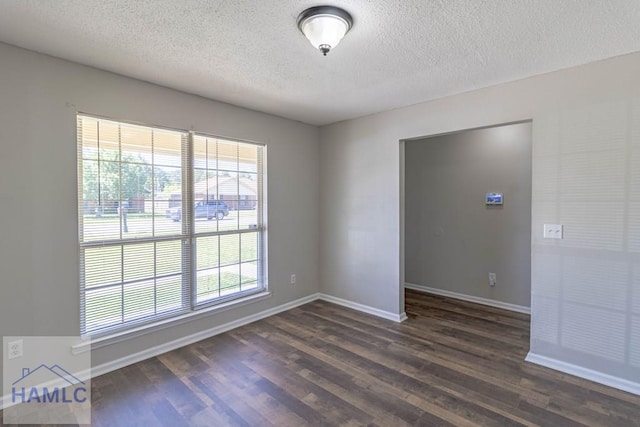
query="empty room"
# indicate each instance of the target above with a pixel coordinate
(289, 213)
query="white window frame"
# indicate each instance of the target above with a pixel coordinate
(190, 308)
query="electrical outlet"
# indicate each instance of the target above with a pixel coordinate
(14, 349)
(492, 279)
(552, 231)
(293, 279)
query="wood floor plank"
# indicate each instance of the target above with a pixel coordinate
(321, 400)
(396, 380)
(393, 400)
(242, 383)
(452, 363)
(428, 371)
(404, 377)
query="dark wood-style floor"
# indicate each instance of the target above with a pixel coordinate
(451, 363)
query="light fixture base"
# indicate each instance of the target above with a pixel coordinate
(324, 48)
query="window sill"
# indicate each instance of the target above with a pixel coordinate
(106, 340)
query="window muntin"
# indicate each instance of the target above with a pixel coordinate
(169, 221)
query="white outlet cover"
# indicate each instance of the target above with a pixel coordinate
(14, 349)
(553, 231)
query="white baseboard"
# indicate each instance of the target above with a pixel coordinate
(365, 308)
(199, 336)
(470, 298)
(5, 401)
(587, 374)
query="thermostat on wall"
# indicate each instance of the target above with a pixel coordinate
(493, 199)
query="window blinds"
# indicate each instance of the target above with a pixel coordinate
(168, 221)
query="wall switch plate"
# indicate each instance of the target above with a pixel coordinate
(293, 279)
(14, 349)
(553, 231)
(492, 279)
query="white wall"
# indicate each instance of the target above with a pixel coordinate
(39, 97)
(586, 141)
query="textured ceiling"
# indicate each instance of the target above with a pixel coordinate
(250, 52)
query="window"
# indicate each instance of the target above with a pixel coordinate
(162, 228)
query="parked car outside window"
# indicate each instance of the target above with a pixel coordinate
(211, 209)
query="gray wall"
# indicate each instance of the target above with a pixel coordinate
(586, 175)
(452, 239)
(39, 97)
(586, 287)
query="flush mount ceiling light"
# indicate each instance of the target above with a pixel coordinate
(324, 26)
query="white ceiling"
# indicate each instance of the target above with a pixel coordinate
(250, 52)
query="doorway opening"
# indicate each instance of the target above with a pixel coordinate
(465, 215)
